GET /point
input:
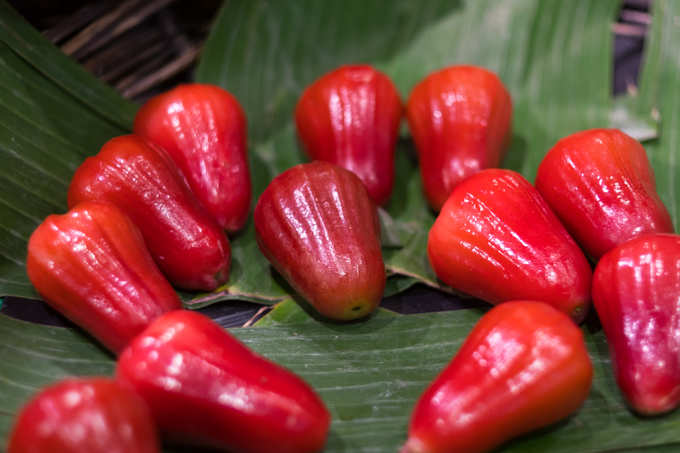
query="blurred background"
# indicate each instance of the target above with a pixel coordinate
(143, 47)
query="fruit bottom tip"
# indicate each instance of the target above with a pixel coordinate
(578, 314)
(413, 445)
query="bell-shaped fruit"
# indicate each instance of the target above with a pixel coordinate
(524, 366)
(188, 246)
(636, 292)
(497, 239)
(205, 387)
(460, 119)
(318, 227)
(87, 415)
(600, 184)
(203, 129)
(350, 117)
(91, 265)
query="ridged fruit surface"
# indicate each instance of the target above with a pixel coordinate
(317, 226)
(600, 184)
(187, 244)
(636, 292)
(91, 264)
(86, 415)
(350, 117)
(205, 387)
(497, 239)
(524, 366)
(204, 130)
(460, 119)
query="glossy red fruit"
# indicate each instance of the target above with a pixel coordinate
(87, 415)
(350, 117)
(496, 239)
(188, 246)
(205, 387)
(460, 119)
(317, 226)
(524, 366)
(600, 184)
(636, 289)
(91, 264)
(203, 129)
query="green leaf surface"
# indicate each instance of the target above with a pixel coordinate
(267, 52)
(47, 127)
(368, 373)
(659, 96)
(60, 69)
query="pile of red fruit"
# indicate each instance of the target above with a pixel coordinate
(153, 210)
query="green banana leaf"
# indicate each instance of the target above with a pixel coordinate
(660, 97)
(554, 56)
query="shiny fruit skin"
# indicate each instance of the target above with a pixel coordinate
(188, 246)
(600, 184)
(319, 229)
(460, 119)
(204, 130)
(350, 117)
(496, 239)
(91, 264)
(524, 366)
(636, 289)
(205, 387)
(86, 415)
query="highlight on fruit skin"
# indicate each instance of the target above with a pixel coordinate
(460, 118)
(496, 239)
(601, 185)
(318, 227)
(138, 177)
(523, 366)
(206, 388)
(92, 265)
(636, 289)
(84, 415)
(350, 117)
(203, 129)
